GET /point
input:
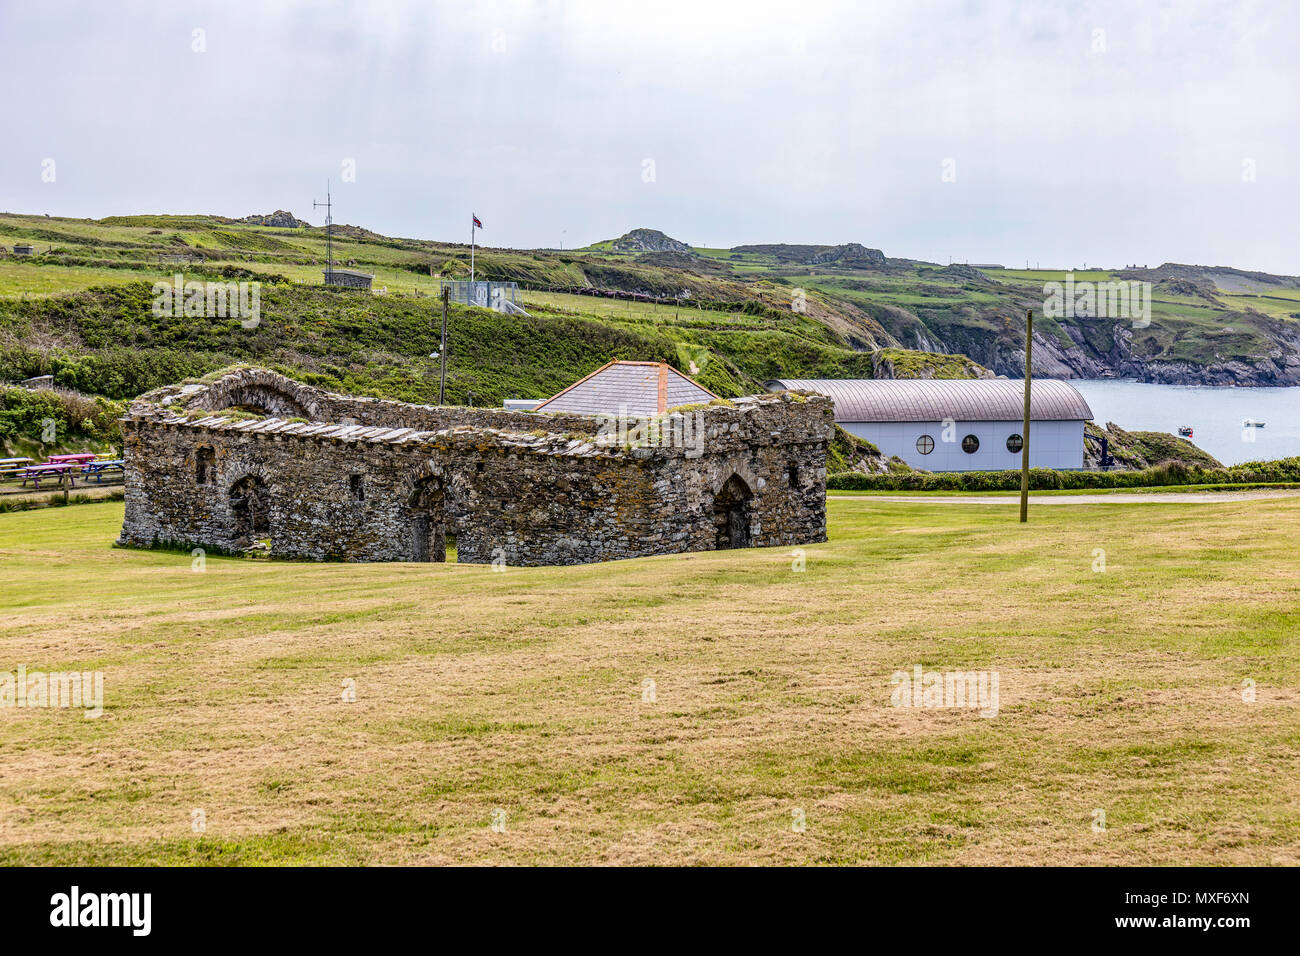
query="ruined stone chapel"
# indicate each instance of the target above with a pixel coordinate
(252, 459)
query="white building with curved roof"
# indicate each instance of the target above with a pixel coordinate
(958, 424)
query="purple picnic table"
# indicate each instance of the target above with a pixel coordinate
(34, 473)
(56, 466)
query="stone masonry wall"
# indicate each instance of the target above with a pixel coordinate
(551, 494)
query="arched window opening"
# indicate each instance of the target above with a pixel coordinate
(205, 466)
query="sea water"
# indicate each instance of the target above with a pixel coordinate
(1215, 415)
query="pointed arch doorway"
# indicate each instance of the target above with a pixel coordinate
(250, 510)
(427, 506)
(732, 512)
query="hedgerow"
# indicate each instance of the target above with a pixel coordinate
(1284, 470)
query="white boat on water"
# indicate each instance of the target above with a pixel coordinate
(1251, 423)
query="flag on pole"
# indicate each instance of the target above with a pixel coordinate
(477, 225)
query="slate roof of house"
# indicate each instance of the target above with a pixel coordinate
(642, 388)
(933, 400)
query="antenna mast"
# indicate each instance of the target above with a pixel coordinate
(329, 230)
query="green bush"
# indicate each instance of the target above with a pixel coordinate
(1041, 479)
(77, 418)
(107, 341)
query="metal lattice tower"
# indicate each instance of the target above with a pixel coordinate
(329, 229)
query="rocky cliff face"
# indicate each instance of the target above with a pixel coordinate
(1198, 325)
(280, 219)
(1102, 349)
(1123, 359)
(649, 240)
(966, 273)
(1216, 278)
(1134, 450)
(849, 252)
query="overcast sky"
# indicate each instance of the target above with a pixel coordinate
(1058, 133)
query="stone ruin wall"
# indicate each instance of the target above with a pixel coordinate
(512, 496)
(288, 399)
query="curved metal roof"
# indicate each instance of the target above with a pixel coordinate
(935, 399)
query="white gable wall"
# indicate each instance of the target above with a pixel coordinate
(1052, 444)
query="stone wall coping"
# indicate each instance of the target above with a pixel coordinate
(473, 437)
(541, 434)
(550, 443)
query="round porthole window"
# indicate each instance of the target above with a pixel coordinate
(1015, 443)
(970, 444)
(925, 444)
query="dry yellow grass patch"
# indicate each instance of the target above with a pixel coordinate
(526, 694)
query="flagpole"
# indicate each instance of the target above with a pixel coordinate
(471, 249)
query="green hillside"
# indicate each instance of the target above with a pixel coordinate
(1208, 325)
(80, 309)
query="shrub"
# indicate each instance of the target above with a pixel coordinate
(1285, 470)
(24, 413)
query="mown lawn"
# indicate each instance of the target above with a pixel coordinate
(527, 692)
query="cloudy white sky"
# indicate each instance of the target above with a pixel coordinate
(1069, 133)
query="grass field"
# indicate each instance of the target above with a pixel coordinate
(18, 279)
(21, 279)
(525, 692)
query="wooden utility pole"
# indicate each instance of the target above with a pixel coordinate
(1024, 448)
(442, 351)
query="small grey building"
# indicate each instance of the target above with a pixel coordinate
(958, 424)
(349, 278)
(22, 249)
